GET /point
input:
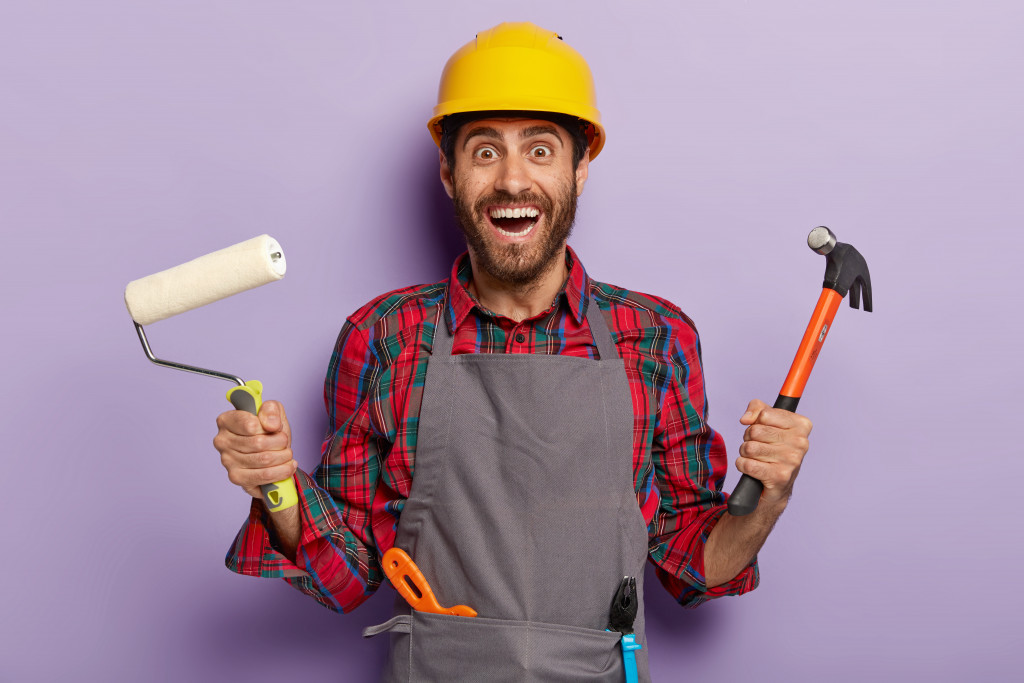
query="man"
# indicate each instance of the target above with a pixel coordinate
(527, 434)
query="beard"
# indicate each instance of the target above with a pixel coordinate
(518, 265)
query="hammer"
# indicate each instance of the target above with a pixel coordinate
(845, 271)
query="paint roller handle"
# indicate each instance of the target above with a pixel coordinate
(280, 495)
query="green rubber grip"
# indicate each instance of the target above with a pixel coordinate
(280, 495)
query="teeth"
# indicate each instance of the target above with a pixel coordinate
(523, 212)
(524, 233)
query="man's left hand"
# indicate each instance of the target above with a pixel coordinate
(774, 445)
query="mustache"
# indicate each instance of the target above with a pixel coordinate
(508, 199)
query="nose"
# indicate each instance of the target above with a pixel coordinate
(513, 176)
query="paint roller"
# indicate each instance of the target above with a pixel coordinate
(210, 278)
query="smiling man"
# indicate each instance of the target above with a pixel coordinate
(514, 189)
(529, 435)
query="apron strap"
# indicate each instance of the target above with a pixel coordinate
(443, 338)
(606, 349)
(599, 329)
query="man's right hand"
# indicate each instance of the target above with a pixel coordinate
(255, 450)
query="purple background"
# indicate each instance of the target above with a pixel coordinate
(135, 136)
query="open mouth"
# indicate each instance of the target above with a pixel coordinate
(514, 221)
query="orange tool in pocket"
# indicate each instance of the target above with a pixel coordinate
(409, 581)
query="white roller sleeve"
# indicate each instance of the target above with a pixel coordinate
(204, 280)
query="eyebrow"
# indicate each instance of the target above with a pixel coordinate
(494, 134)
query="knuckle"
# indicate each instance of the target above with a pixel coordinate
(263, 459)
(285, 471)
(741, 465)
(241, 424)
(756, 469)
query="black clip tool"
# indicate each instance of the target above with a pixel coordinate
(621, 618)
(624, 607)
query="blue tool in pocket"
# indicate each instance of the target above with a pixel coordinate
(621, 618)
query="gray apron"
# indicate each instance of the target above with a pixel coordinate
(523, 508)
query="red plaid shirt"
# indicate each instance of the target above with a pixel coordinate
(351, 505)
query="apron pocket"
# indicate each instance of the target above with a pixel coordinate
(441, 647)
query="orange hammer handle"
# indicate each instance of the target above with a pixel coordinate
(810, 345)
(747, 493)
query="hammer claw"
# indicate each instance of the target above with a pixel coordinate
(856, 289)
(866, 287)
(847, 273)
(855, 295)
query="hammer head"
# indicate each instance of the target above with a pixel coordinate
(845, 269)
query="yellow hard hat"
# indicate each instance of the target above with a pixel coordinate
(518, 67)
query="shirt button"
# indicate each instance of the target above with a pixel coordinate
(520, 337)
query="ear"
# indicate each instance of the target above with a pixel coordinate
(446, 175)
(582, 172)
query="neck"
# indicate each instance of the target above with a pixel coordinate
(519, 302)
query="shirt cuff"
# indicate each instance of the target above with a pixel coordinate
(255, 550)
(688, 585)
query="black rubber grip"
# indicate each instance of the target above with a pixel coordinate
(747, 493)
(787, 403)
(745, 496)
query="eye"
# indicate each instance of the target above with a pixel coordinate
(541, 151)
(485, 153)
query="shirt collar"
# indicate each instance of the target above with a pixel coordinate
(461, 303)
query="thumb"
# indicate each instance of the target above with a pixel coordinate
(271, 416)
(754, 409)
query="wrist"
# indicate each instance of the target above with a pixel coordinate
(284, 530)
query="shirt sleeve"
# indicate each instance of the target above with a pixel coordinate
(690, 463)
(336, 559)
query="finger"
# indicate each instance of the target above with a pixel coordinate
(233, 460)
(273, 418)
(270, 416)
(239, 422)
(753, 468)
(754, 408)
(249, 479)
(756, 450)
(285, 427)
(763, 433)
(783, 419)
(257, 443)
(771, 475)
(790, 452)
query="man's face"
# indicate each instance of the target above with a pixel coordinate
(514, 191)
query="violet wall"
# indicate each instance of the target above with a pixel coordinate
(138, 135)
